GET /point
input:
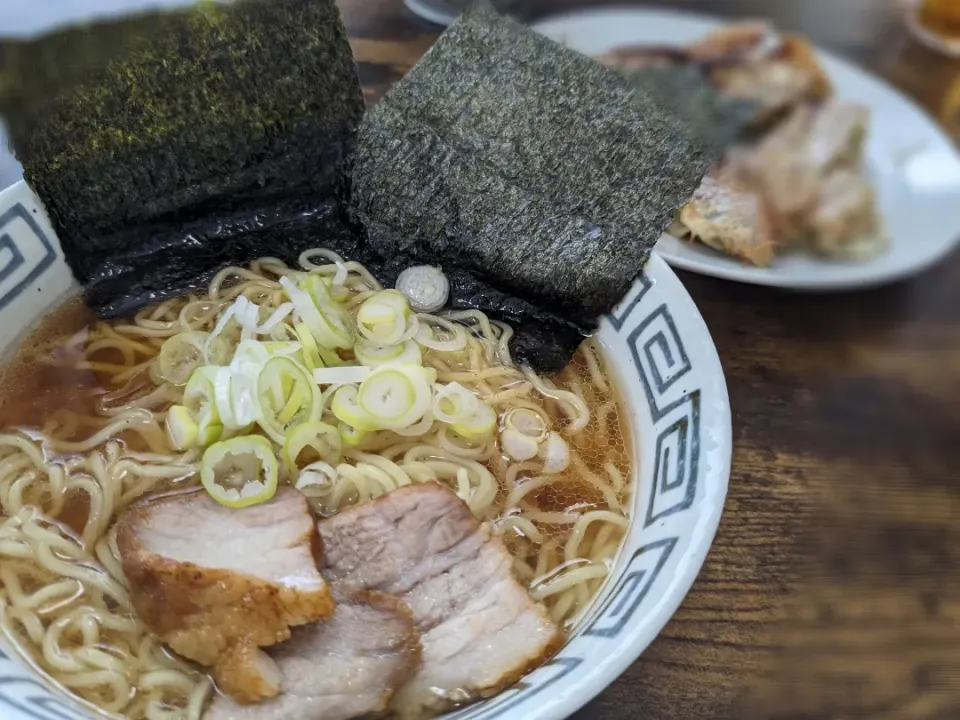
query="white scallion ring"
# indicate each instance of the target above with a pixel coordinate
(425, 286)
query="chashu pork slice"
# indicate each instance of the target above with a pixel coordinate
(217, 584)
(479, 628)
(346, 667)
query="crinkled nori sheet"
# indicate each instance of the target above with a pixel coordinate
(529, 170)
(717, 119)
(177, 143)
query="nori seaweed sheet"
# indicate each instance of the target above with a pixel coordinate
(176, 143)
(170, 145)
(717, 119)
(535, 176)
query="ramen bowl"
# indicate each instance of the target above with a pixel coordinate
(661, 356)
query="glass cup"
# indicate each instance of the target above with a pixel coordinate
(936, 23)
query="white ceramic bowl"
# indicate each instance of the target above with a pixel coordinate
(666, 366)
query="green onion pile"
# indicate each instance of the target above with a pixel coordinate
(256, 391)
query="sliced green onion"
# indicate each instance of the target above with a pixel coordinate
(456, 335)
(316, 475)
(330, 357)
(310, 351)
(315, 356)
(179, 356)
(426, 287)
(527, 422)
(200, 399)
(341, 375)
(454, 403)
(208, 433)
(555, 454)
(388, 396)
(346, 408)
(518, 446)
(243, 386)
(330, 325)
(383, 308)
(219, 349)
(385, 318)
(480, 424)
(240, 472)
(255, 352)
(396, 396)
(339, 324)
(318, 288)
(278, 316)
(420, 427)
(182, 429)
(351, 435)
(223, 395)
(221, 343)
(280, 348)
(309, 442)
(375, 355)
(247, 313)
(287, 397)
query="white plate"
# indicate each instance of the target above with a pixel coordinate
(667, 369)
(914, 165)
(441, 12)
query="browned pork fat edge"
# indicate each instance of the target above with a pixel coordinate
(479, 628)
(217, 584)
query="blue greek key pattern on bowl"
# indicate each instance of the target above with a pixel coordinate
(662, 361)
(25, 253)
(543, 678)
(631, 589)
(31, 697)
(618, 318)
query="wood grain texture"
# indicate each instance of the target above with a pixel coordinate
(833, 587)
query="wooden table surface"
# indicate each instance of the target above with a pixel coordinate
(833, 587)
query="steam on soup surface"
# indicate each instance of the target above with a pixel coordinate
(354, 395)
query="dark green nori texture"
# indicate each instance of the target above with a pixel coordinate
(176, 143)
(717, 119)
(534, 170)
